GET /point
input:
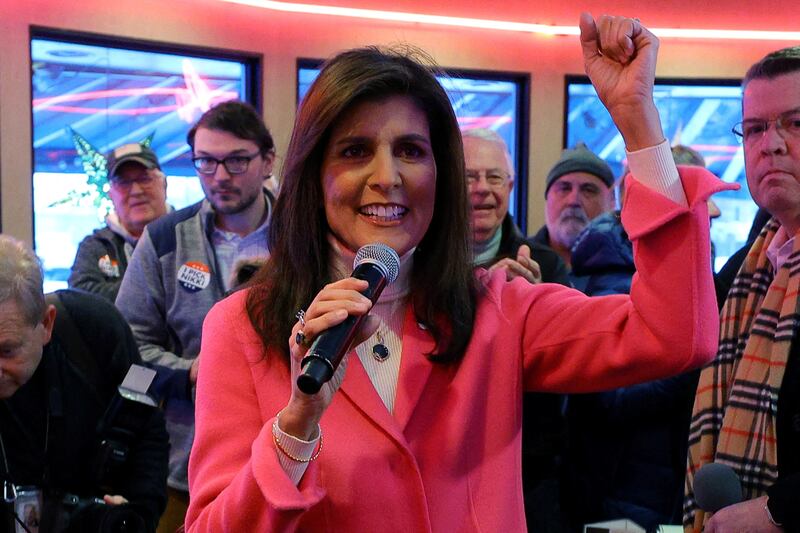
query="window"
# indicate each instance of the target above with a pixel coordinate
(492, 100)
(90, 89)
(695, 113)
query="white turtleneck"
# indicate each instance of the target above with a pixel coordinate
(390, 309)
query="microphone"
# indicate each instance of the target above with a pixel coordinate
(379, 265)
(715, 486)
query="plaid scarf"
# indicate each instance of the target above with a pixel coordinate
(733, 421)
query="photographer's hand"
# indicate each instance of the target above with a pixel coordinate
(116, 499)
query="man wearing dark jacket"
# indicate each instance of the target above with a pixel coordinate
(138, 190)
(499, 244)
(623, 439)
(58, 376)
(579, 188)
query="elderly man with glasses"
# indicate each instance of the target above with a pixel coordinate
(747, 407)
(138, 190)
(498, 243)
(184, 263)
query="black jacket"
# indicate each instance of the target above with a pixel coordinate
(49, 426)
(627, 447)
(784, 495)
(102, 246)
(543, 422)
(553, 268)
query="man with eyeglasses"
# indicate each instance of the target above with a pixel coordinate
(747, 407)
(185, 261)
(579, 187)
(498, 243)
(138, 190)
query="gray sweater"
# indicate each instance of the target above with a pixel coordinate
(171, 283)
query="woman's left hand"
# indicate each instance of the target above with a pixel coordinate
(619, 56)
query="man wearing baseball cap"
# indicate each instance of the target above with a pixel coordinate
(579, 187)
(138, 190)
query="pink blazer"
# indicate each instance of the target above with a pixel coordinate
(449, 457)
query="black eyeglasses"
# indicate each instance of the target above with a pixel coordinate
(234, 164)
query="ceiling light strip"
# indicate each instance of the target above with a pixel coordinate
(502, 25)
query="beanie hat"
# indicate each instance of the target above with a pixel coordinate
(579, 159)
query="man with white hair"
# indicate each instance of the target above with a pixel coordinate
(73, 453)
(497, 242)
(138, 190)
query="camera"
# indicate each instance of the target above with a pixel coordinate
(125, 419)
(31, 509)
(92, 514)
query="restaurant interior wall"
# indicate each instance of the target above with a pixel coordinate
(283, 37)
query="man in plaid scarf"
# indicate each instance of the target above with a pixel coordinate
(747, 407)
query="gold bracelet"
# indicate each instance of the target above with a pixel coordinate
(283, 450)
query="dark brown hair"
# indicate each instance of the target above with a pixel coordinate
(443, 288)
(240, 119)
(774, 64)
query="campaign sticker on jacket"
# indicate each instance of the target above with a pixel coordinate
(108, 266)
(194, 276)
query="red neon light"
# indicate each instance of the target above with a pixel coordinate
(129, 111)
(196, 95)
(484, 122)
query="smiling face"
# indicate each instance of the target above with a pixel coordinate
(772, 162)
(139, 196)
(485, 159)
(379, 175)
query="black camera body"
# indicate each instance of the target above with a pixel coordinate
(48, 510)
(126, 417)
(91, 514)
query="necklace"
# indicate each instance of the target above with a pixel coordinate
(379, 350)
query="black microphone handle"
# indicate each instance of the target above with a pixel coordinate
(328, 349)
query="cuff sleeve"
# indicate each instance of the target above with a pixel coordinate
(655, 168)
(301, 449)
(784, 501)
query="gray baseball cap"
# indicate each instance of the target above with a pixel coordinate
(126, 153)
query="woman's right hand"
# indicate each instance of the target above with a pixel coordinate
(300, 418)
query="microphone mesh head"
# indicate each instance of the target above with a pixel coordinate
(381, 255)
(716, 486)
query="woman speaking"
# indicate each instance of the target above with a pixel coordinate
(419, 429)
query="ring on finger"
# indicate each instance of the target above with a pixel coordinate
(301, 316)
(301, 340)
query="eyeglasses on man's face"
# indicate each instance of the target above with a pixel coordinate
(753, 130)
(125, 184)
(234, 164)
(494, 178)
